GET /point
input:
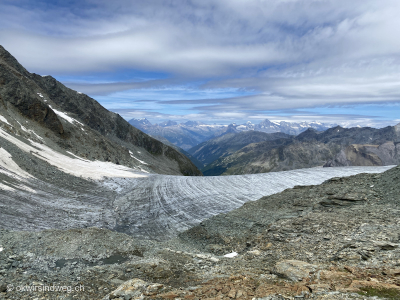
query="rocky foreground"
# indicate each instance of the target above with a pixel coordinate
(338, 240)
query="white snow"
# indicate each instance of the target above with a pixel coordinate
(143, 170)
(141, 161)
(65, 116)
(230, 255)
(213, 126)
(4, 120)
(9, 167)
(78, 167)
(1, 249)
(77, 156)
(29, 131)
(25, 188)
(6, 187)
(79, 92)
(22, 127)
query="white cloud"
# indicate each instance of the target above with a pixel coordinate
(293, 53)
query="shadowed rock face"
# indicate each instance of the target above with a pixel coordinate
(16, 89)
(79, 124)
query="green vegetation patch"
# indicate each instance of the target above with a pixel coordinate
(380, 292)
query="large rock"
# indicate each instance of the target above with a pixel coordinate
(135, 289)
(295, 270)
(132, 289)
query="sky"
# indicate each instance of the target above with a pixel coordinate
(218, 61)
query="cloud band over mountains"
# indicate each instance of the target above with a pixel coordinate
(267, 55)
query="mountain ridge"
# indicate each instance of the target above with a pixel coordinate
(191, 133)
(309, 149)
(71, 116)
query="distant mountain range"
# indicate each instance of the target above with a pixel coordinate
(192, 133)
(336, 146)
(285, 127)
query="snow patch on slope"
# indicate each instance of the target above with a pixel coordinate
(5, 187)
(141, 161)
(12, 170)
(4, 120)
(231, 255)
(77, 167)
(29, 131)
(9, 167)
(65, 116)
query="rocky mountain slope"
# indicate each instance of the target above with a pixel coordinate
(226, 144)
(196, 162)
(309, 149)
(42, 109)
(367, 155)
(190, 134)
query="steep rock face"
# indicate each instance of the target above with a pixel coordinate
(16, 89)
(75, 122)
(309, 149)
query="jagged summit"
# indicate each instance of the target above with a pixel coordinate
(140, 123)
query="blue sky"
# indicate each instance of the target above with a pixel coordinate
(334, 61)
